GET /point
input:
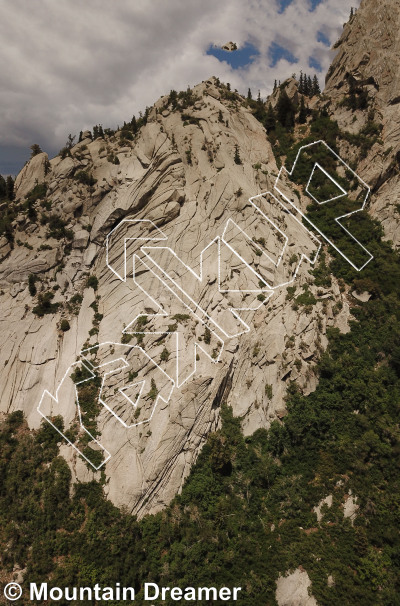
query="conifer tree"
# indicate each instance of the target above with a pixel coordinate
(270, 119)
(303, 112)
(3, 188)
(70, 141)
(315, 86)
(10, 188)
(249, 95)
(285, 110)
(309, 86)
(275, 85)
(134, 125)
(301, 84)
(237, 156)
(35, 150)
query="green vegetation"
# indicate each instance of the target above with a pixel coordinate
(45, 305)
(306, 297)
(153, 393)
(92, 282)
(32, 279)
(64, 325)
(83, 176)
(245, 514)
(207, 336)
(236, 156)
(57, 227)
(165, 355)
(309, 86)
(74, 303)
(37, 193)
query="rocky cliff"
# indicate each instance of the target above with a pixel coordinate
(362, 88)
(144, 240)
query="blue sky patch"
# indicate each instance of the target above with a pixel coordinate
(322, 38)
(278, 52)
(283, 4)
(238, 58)
(314, 4)
(312, 62)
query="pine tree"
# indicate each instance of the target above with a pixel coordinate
(70, 141)
(275, 85)
(259, 97)
(3, 188)
(35, 150)
(270, 119)
(315, 86)
(285, 110)
(134, 125)
(237, 156)
(80, 137)
(305, 85)
(249, 95)
(309, 86)
(220, 116)
(101, 131)
(301, 84)
(303, 112)
(10, 188)
(351, 12)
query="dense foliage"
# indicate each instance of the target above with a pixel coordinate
(246, 512)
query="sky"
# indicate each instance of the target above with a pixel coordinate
(65, 66)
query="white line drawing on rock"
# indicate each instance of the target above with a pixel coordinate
(154, 261)
(337, 219)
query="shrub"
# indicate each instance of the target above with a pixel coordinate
(83, 176)
(92, 282)
(45, 306)
(31, 284)
(57, 228)
(236, 157)
(64, 325)
(164, 355)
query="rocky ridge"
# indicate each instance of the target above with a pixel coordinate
(192, 166)
(180, 173)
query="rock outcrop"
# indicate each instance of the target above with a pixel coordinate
(366, 70)
(181, 174)
(183, 181)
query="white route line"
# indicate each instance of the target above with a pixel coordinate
(337, 219)
(56, 399)
(344, 192)
(181, 295)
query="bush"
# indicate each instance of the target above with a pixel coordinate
(57, 228)
(45, 305)
(83, 176)
(31, 285)
(92, 282)
(64, 325)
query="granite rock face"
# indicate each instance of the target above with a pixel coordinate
(161, 223)
(368, 62)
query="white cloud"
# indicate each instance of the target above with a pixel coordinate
(65, 66)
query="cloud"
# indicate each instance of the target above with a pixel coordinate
(65, 66)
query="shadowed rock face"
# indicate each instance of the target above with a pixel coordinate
(368, 59)
(180, 174)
